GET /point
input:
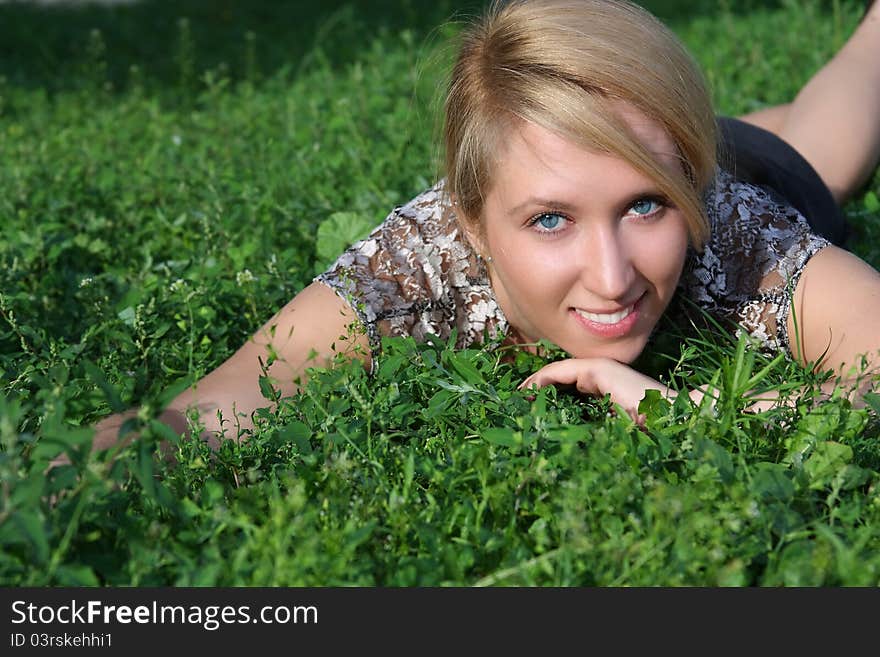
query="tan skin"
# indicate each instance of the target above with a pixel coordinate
(832, 122)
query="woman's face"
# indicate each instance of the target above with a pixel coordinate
(586, 252)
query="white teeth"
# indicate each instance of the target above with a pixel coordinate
(607, 318)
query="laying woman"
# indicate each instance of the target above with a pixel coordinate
(588, 184)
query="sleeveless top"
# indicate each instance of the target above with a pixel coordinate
(416, 274)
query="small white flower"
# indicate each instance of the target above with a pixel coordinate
(176, 140)
(244, 277)
(88, 280)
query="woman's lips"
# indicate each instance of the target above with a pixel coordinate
(609, 325)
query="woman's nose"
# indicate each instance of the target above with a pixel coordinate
(608, 270)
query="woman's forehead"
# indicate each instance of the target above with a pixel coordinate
(649, 132)
(545, 148)
(544, 143)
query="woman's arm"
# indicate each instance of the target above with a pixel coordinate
(835, 317)
(307, 332)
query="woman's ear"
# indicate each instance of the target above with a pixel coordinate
(470, 229)
(474, 235)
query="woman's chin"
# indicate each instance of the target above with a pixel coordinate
(625, 353)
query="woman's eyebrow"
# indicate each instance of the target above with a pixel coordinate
(535, 201)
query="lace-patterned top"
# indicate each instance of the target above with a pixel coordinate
(416, 274)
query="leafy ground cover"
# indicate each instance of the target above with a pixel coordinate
(166, 189)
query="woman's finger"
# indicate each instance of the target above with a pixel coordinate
(578, 372)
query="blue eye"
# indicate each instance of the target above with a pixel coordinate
(548, 222)
(644, 207)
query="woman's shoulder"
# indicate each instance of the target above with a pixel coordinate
(428, 204)
(747, 270)
(409, 231)
(731, 202)
(423, 240)
(426, 221)
(755, 226)
(415, 274)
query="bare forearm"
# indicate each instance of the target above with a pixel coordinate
(121, 429)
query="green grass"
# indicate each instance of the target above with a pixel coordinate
(164, 184)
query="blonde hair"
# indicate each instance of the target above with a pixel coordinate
(564, 65)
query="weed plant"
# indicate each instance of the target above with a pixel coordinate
(165, 190)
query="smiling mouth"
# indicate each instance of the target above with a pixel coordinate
(606, 318)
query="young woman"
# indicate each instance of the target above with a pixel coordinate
(587, 184)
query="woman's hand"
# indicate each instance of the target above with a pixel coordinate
(598, 377)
